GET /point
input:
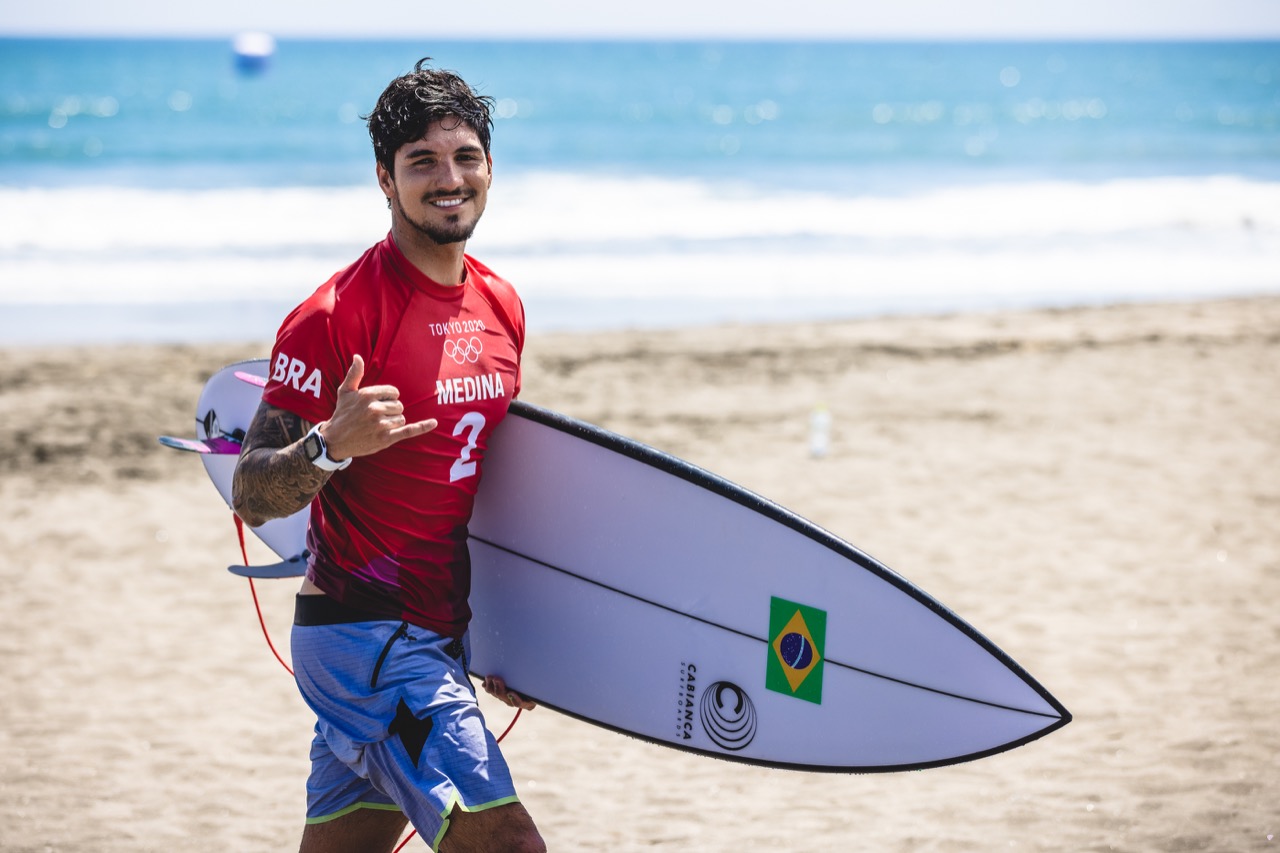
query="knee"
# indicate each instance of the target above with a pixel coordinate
(525, 839)
(530, 842)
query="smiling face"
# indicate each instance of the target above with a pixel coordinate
(439, 184)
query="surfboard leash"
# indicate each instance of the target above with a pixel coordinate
(257, 606)
(254, 591)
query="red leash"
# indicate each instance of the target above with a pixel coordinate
(256, 605)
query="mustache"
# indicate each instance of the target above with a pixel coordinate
(443, 194)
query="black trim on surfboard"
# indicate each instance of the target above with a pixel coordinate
(811, 768)
(724, 488)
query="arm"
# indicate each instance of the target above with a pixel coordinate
(273, 476)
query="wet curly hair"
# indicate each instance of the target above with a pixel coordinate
(412, 102)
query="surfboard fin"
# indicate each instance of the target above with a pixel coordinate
(294, 567)
(217, 445)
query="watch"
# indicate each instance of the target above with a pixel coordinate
(318, 452)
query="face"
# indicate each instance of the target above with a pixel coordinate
(440, 183)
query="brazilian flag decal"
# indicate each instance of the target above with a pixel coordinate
(797, 636)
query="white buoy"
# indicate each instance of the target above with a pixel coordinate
(253, 51)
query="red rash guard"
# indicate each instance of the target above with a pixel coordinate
(389, 533)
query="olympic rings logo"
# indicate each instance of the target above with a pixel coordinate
(463, 350)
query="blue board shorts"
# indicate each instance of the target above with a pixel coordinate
(398, 727)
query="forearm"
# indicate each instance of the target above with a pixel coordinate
(274, 483)
(273, 476)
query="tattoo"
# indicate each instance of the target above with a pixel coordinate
(273, 477)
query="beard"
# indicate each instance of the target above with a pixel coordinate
(452, 230)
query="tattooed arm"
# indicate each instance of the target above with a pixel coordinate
(274, 478)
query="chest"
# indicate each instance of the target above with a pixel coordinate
(448, 360)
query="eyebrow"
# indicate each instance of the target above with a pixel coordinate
(429, 152)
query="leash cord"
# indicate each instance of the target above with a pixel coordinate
(256, 604)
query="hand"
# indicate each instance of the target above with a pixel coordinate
(496, 687)
(367, 420)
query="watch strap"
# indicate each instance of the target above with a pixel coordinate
(313, 445)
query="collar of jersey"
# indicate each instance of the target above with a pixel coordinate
(415, 278)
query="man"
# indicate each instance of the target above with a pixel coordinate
(351, 425)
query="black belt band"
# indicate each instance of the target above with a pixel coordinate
(313, 610)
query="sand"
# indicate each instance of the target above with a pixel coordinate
(1097, 490)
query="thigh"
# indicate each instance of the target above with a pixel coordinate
(507, 828)
(334, 789)
(369, 830)
(441, 764)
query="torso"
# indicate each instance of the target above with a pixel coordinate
(388, 534)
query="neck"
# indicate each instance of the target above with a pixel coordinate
(440, 263)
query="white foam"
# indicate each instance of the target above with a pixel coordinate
(602, 209)
(599, 242)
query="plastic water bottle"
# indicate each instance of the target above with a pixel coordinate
(819, 432)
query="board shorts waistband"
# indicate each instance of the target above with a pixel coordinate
(314, 610)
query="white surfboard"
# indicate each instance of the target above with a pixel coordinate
(630, 589)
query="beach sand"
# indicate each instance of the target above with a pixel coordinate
(1096, 490)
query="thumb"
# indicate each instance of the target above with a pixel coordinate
(355, 374)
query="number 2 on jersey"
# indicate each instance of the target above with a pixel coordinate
(464, 466)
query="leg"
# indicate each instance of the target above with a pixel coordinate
(503, 828)
(371, 830)
(422, 745)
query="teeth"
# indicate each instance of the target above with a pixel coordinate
(448, 202)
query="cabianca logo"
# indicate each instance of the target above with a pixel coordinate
(463, 350)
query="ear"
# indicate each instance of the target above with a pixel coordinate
(386, 181)
(489, 157)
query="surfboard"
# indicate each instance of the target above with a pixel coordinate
(630, 589)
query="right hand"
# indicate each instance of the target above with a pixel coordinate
(367, 420)
(496, 687)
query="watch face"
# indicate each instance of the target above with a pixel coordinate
(312, 446)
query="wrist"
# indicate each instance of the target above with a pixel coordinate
(318, 452)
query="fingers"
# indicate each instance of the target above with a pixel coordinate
(351, 385)
(369, 419)
(355, 373)
(496, 687)
(412, 430)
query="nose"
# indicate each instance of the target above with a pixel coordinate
(449, 174)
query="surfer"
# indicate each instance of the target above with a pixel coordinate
(367, 419)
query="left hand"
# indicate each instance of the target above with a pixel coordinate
(497, 688)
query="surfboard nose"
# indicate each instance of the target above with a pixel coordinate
(594, 554)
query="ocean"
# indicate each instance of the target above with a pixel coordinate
(150, 190)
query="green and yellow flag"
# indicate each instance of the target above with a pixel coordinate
(797, 636)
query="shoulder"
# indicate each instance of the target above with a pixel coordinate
(349, 301)
(498, 292)
(490, 280)
(317, 340)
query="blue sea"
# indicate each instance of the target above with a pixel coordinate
(153, 190)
